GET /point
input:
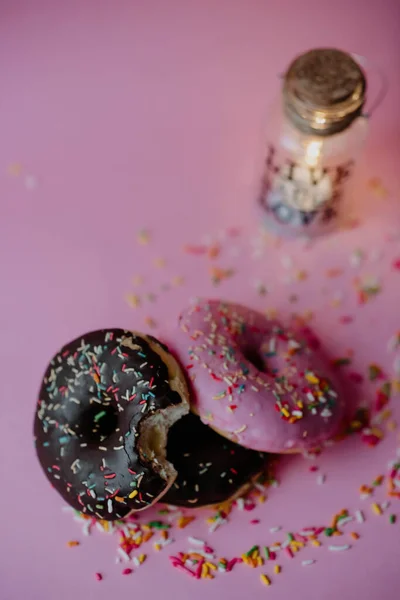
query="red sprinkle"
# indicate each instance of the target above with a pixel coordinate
(355, 377)
(127, 571)
(396, 264)
(98, 576)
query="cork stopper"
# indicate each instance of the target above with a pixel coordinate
(324, 91)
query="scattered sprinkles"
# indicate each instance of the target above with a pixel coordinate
(197, 559)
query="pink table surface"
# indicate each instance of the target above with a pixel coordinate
(122, 116)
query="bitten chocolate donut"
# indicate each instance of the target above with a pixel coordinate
(211, 469)
(105, 405)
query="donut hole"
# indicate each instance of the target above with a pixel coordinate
(253, 355)
(97, 422)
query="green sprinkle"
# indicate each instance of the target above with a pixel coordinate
(100, 414)
(158, 525)
(392, 519)
(290, 537)
(329, 531)
(253, 549)
(266, 552)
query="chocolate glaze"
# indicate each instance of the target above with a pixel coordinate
(211, 469)
(96, 394)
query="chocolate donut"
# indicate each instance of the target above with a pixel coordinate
(211, 469)
(105, 405)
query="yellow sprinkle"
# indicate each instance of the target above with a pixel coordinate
(211, 566)
(133, 494)
(396, 385)
(265, 580)
(14, 169)
(311, 378)
(143, 237)
(354, 535)
(133, 300)
(73, 543)
(260, 561)
(316, 543)
(284, 411)
(142, 558)
(157, 547)
(182, 522)
(261, 498)
(159, 263)
(204, 571)
(376, 508)
(150, 322)
(277, 569)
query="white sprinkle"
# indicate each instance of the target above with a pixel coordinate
(221, 569)
(393, 343)
(286, 261)
(307, 532)
(356, 258)
(86, 528)
(345, 520)
(196, 541)
(396, 365)
(321, 479)
(124, 554)
(166, 542)
(339, 548)
(240, 503)
(109, 505)
(241, 429)
(275, 529)
(385, 505)
(275, 548)
(30, 182)
(360, 516)
(305, 563)
(217, 524)
(365, 496)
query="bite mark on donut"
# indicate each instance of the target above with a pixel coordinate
(153, 430)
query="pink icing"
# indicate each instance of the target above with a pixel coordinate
(288, 405)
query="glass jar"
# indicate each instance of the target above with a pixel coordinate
(317, 130)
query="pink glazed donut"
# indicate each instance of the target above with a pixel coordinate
(253, 381)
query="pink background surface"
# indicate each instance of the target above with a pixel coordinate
(151, 115)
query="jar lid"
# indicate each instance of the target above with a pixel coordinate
(324, 91)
